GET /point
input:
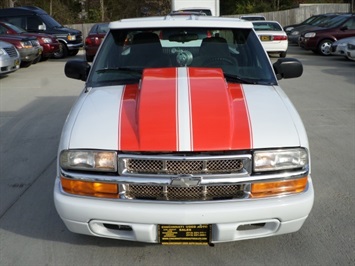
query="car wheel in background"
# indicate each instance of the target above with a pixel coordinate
(44, 58)
(25, 64)
(38, 58)
(324, 47)
(62, 53)
(89, 58)
(283, 54)
(73, 52)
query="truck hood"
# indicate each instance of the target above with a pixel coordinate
(182, 109)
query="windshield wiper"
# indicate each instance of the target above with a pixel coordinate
(235, 78)
(126, 70)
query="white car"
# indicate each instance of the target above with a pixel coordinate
(253, 17)
(273, 37)
(183, 144)
(9, 58)
(350, 49)
(339, 47)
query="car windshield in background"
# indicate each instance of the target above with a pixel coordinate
(267, 26)
(49, 21)
(335, 21)
(126, 53)
(102, 28)
(15, 28)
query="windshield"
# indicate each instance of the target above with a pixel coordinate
(51, 22)
(15, 28)
(335, 22)
(126, 53)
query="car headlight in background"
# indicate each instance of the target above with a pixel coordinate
(351, 46)
(295, 32)
(71, 37)
(310, 35)
(26, 44)
(274, 160)
(289, 28)
(47, 40)
(89, 160)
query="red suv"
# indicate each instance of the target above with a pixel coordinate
(49, 43)
(320, 40)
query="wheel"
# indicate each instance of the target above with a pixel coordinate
(44, 58)
(25, 64)
(38, 58)
(324, 47)
(73, 52)
(212, 61)
(62, 53)
(89, 58)
(283, 54)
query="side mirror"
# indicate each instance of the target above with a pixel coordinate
(42, 27)
(286, 68)
(77, 69)
(344, 28)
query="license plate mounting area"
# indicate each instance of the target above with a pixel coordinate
(185, 234)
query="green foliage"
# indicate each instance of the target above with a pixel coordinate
(72, 11)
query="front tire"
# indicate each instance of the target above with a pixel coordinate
(25, 64)
(62, 53)
(89, 58)
(73, 52)
(324, 47)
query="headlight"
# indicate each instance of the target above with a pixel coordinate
(2, 52)
(26, 44)
(46, 40)
(310, 35)
(105, 161)
(71, 37)
(273, 160)
(295, 32)
(351, 46)
(289, 28)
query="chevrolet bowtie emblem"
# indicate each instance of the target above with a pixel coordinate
(185, 181)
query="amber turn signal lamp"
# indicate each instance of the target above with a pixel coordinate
(92, 189)
(270, 189)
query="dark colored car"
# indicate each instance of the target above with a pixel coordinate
(49, 43)
(317, 23)
(320, 41)
(34, 19)
(308, 21)
(93, 40)
(28, 47)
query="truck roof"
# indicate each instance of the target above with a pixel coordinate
(21, 11)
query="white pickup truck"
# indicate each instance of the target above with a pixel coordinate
(183, 135)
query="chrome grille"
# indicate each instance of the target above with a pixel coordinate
(11, 51)
(147, 192)
(183, 165)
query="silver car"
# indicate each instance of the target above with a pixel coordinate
(9, 58)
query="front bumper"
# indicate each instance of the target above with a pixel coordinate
(50, 48)
(74, 46)
(91, 216)
(307, 43)
(9, 64)
(30, 54)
